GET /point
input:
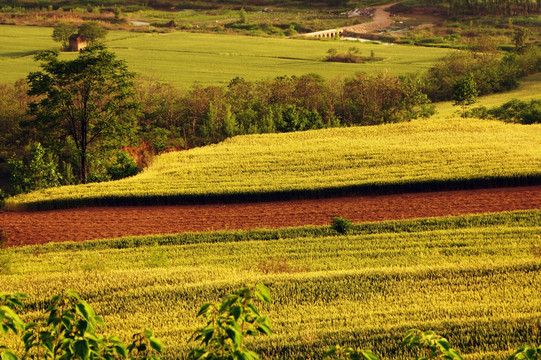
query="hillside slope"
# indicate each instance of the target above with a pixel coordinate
(420, 155)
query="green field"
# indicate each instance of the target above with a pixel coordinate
(422, 154)
(473, 279)
(182, 58)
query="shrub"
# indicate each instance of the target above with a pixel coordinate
(124, 166)
(228, 323)
(39, 172)
(430, 343)
(515, 111)
(69, 332)
(341, 225)
(490, 72)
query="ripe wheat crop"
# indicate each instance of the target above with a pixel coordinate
(473, 279)
(421, 155)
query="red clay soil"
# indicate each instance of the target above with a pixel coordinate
(25, 228)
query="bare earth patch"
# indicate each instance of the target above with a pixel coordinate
(381, 20)
(26, 228)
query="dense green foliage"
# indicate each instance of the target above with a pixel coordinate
(93, 32)
(229, 323)
(62, 32)
(353, 55)
(459, 8)
(497, 7)
(515, 111)
(464, 92)
(39, 172)
(341, 225)
(206, 115)
(84, 103)
(491, 73)
(422, 154)
(68, 330)
(364, 290)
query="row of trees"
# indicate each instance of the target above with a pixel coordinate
(77, 118)
(493, 7)
(208, 114)
(83, 111)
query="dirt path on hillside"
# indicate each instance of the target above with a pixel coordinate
(381, 20)
(26, 228)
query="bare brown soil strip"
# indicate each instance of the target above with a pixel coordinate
(25, 228)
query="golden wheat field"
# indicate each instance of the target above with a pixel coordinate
(419, 152)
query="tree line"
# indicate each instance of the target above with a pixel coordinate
(493, 7)
(90, 119)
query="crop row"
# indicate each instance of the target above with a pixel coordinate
(474, 279)
(398, 157)
(321, 308)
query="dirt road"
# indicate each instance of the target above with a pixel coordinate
(107, 222)
(380, 20)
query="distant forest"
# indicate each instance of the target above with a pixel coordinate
(493, 7)
(185, 4)
(454, 8)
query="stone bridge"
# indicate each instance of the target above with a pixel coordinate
(325, 33)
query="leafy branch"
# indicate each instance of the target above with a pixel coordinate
(228, 323)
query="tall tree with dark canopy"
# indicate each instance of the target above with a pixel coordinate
(88, 99)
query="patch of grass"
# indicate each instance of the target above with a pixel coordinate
(182, 58)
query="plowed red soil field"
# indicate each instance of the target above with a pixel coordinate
(25, 228)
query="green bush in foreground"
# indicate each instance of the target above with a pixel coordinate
(229, 323)
(69, 331)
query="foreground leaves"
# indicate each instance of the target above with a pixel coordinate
(228, 323)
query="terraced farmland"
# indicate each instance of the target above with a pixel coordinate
(40, 227)
(473, 279)
(409, 156)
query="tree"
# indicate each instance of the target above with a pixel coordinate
(464, 92)
(62, 32)
(39, 173)
(520, 37)
(87, 100)
(93, 32)
(243, 17)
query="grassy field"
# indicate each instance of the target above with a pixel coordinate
(473, 279)
(529, 88)
(182, 58)
(423, 154)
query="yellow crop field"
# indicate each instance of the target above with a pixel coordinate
(415, 155)
(473, 279)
